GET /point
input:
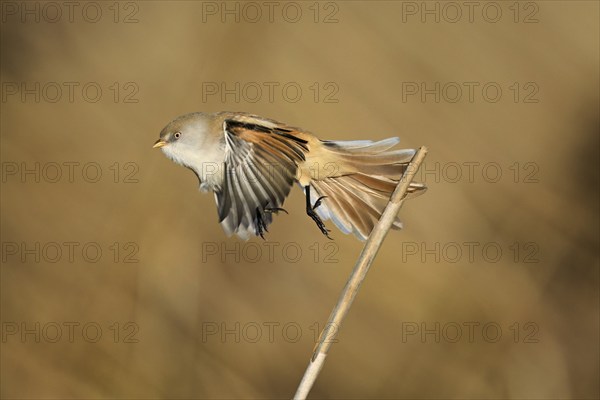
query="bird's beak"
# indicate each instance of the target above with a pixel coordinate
(159, 143)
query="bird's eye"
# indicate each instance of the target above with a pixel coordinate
(177, 135)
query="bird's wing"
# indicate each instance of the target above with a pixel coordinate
(261, 162)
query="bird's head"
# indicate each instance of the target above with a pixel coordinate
(182, 140)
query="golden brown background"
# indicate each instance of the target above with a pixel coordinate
(178, 291)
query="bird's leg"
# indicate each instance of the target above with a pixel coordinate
(261, 227)
(310, 210)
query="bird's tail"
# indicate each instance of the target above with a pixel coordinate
(369, 174)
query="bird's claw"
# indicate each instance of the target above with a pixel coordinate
(318, 202)
(275, 210)
(321, 225)
(311, 213)
(261, 227)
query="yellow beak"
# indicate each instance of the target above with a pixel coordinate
(159, 143)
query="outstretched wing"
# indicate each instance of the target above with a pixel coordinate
(261, 162)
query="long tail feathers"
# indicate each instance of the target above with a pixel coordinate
(355, 201)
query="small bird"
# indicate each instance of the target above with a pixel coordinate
(251, 164)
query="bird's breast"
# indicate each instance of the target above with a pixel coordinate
(207, 162)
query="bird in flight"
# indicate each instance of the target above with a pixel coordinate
(251, 164)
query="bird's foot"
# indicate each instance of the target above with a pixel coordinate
(311, 213)
(261, 226)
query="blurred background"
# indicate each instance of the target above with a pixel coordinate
(118, 282)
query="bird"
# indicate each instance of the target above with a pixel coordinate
(251, 163)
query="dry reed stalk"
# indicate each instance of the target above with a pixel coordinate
(365, 259)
